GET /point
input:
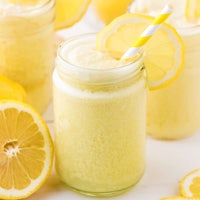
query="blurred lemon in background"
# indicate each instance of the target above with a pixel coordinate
(110, 9)
(11, 90)
(68, 12)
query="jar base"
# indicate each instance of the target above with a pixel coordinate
(171, 137)
(102, 194)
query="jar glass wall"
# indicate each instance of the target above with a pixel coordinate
(174, 112)
(26, 48)
(99, 123)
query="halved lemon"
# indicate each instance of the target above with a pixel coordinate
(192, 9)
(180, 198)
(164, 52)
(11, 90)
(26, 150)
(190, 184)
(68, 12)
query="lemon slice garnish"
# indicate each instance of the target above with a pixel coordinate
(164, 52)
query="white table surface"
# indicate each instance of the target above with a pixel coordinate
(166, 161)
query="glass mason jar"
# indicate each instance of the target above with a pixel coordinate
(174, 112)
(26, 48)
(99, 121)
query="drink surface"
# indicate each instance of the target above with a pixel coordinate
(26, 49)
(174, 112)
(100, 130)
(84, 54)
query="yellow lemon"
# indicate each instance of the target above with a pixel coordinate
(110, 9)
(68, 12)
(164, 53)
(26, 150)
(11, 90)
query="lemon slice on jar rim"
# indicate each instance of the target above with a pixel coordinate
(164, 52)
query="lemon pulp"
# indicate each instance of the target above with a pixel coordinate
(26, 150)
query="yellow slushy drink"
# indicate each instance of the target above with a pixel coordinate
(26, 47)
(99, 106)
(174, 112)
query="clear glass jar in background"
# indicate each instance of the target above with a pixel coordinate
(26, 48)
(174, 112)
(99, 122)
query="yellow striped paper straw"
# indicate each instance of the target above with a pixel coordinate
(148, 32)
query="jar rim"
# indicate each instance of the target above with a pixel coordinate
(60, 58)
(97, 76)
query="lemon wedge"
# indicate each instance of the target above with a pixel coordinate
(11, 90)
(26, 150)
(190, 184)
(164, 52)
